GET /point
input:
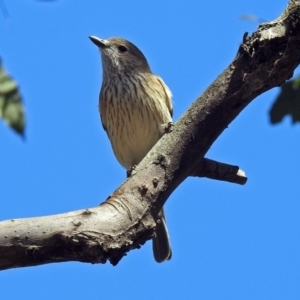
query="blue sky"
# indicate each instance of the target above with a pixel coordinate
(229, 241)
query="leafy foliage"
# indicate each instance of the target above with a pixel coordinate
(287, 102)
(11, 107)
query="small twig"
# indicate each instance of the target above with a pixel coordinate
(220, 171)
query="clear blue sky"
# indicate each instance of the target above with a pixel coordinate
(229, 241)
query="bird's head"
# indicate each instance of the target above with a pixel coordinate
(120, 56)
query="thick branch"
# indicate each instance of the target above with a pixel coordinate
(76, 236)
(266, 59)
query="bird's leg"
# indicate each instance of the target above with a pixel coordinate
(129, 172)
(168, 127)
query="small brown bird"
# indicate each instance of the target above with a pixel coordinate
(135, 105)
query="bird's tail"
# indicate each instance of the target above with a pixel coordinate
(161, 243)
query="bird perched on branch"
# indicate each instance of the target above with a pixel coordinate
(135, 106)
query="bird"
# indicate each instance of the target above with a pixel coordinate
(135, 106)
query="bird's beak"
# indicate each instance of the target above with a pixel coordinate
(98, 42)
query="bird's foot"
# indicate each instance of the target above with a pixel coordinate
(169, 127)
(129, 172)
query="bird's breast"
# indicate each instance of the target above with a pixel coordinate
(133, 111)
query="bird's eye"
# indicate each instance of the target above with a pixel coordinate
(122, 49)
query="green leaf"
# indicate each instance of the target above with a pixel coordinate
(287, 103)
(11, 107)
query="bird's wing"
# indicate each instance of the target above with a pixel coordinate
(168, 95)
(102, 108)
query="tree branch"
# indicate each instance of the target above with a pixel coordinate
(266, 59)
(219, 171)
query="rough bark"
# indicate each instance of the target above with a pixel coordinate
(126, 219)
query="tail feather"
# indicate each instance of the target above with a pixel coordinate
(161, 243)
